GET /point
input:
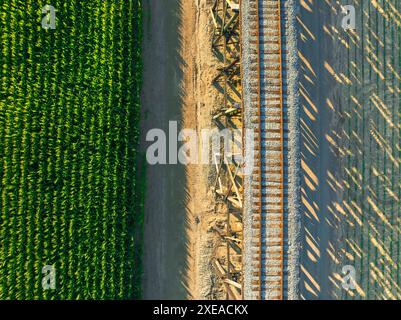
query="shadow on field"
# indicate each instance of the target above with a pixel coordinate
(350, 127)
(319, 160)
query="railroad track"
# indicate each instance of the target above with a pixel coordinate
(269, 110)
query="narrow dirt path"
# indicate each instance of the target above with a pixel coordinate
(164, 255)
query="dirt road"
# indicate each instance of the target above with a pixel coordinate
(180, 209)
(164, 258)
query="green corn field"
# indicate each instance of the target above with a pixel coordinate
(69, 127)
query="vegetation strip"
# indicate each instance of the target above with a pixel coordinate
(69, 127)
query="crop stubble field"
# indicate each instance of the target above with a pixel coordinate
(351, 149)
(69, 114)
(371, 151)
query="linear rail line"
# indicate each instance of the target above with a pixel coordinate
(269, 175)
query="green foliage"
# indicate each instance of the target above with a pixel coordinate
(69, 127)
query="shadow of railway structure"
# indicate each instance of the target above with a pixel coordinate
(228, 187)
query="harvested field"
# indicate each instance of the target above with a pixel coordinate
(350, 120)
(370, 149)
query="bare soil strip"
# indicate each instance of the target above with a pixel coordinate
(164, 256)
(180, 210)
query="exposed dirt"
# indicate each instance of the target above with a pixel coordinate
(199, 102)
(164, 258)
(180, 209)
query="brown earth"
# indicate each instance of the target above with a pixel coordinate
(199, 102)
(180, 208)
